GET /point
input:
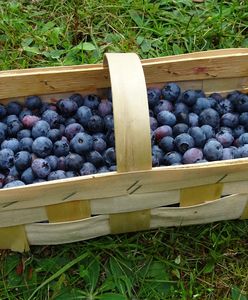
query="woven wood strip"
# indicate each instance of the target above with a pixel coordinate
(14, 238)
(130, 222)
(71, 211)
(196, 195)
(131, 113)
(245, 212)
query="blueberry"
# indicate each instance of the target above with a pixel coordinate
(81, 143)
(189, 97)
(3, 127)
(13, 128)
(158, 153)
(113, 168)
(109, 156)
(243, 139)
(25, 144)
(99, 144)
(53, 162)
(29, 120)
(243, 120)
(171, 92)
(67, 107)
(163, 105)
(184, 142)
(216, 96)
(180, 108)
(23, 133)
(3, 111)
(242, 103)
(95, 158)
(172, 158)
(198, 135)
(61, 163)
(33, 102)
(210, 117)
(225, 138)
(105, 108)
(12, 144)
(9, 119)
(103, 169)
(42, 146)
(2, 180)
(153, 123)
(155, 161)
(224, 106)
(72, 129)
(40, 128)
(213, 150)
(100, 135)
(92, 101)
(213, 102)
(109, 122)
(95, 124)
(2, 135)
(83, 115)
(59, 174)
(153, 95)
(52, 118)
(41, 168)
(237, 131)
(167, 144)
(166, 118)
(61, 148)
(234, 97)
(243, 151)
(7, 159)
(161, 132)
(226, 129)
(14, 172)
(192, 156)
(111, 139)
(87, 169)
(69, 121)
(13, 108)
(54, 135)
(73, 162)
(14, 184)
(180, 128)
(228, 153)
(78, 99)
(200, 105)
(22, 160)
(230, 120)
(193, 119)
(70, 174)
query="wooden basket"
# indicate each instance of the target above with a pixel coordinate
(137, 196)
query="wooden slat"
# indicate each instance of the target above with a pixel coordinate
(194, 66)
(227, 208)
(67, 232)
(14, 238)
(131, 114)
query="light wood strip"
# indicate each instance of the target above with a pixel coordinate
(22, 216)
(203, 65)
(14, 238)
(67, 232)
(131, 115)
(130, 221)
(199, 194)
(71, 211)
(227, 208)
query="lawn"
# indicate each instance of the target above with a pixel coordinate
(195, 262)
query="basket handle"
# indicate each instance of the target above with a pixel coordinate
(131, 113)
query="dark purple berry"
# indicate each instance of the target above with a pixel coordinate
(184, 142)
(192, 156)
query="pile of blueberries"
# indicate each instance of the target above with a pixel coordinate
(43, 141)
(189, 127)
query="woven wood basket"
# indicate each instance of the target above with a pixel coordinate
(137, 196)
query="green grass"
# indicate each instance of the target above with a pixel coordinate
(196, 262)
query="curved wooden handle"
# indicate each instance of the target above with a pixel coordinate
(131, 113)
